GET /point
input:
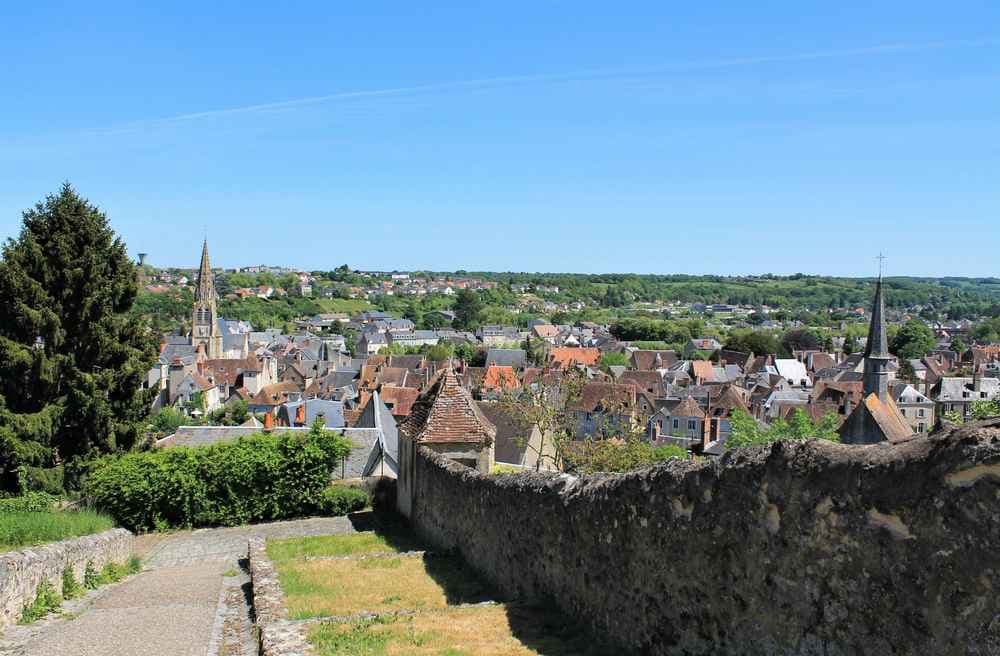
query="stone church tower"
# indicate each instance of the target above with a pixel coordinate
(877, 418)
(205, 318)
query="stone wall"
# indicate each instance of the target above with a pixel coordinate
(278, 636)
(21, 572)
(795, 548)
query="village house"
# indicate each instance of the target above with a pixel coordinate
(448, 421)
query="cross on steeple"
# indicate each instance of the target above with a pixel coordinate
(881, 260)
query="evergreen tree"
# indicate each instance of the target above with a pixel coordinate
(468, 308)
(72, 356)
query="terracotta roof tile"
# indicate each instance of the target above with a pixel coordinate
(446, 413)
(568, 356)
(499, 377)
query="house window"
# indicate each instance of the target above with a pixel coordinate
(677, 423)
(902, 411)
(692, 424)
(920, 413)
(921, 427)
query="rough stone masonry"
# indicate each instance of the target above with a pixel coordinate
(796, 548)
(22, 572)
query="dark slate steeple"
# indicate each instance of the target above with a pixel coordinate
(876, 377)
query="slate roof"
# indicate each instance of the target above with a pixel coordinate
(327, 385)
(516, 358)
(205, 435)
(735, 357)
(961, 389)
(332, 411)
(511, 438)
(412, 362)
(446, 413)
(185, 352)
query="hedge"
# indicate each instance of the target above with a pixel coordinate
(340, 500)
(256, 478)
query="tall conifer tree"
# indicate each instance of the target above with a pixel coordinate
(72, 356)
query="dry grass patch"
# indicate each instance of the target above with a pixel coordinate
(346, 587)
(483, 631)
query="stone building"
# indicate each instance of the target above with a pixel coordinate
(877, 418)
(447, 420)
(205, 316)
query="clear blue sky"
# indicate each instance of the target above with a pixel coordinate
(558, 136)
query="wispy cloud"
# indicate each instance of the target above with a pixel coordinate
(555, 78)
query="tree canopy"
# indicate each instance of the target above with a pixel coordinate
(72, 356)
(913, 340)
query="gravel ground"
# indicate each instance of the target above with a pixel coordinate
(190, 599)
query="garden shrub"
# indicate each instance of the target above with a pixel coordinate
(29, 502)
(257, 478)
(341, 499)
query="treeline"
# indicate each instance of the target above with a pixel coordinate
(797, 291)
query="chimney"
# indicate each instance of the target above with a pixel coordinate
(268, 422)
(300, 415)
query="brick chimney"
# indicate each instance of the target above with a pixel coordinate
(300, 415)
(268, 422)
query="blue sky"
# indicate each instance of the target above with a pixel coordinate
(554, 136)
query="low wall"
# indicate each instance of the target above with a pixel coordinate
(795, 548)
(21, 572)
(278, 636)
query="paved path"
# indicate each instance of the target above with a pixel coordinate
(189, 600)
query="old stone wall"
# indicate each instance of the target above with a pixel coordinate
(21, 572)
(278, 636)
(795, 548)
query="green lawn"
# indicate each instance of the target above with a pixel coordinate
(350, 305)
(27, 529)
(283, 551)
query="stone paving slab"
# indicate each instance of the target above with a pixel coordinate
(179, 605)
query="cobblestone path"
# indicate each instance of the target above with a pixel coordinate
(189, 600)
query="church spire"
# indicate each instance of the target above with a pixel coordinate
(206, 281)
(878, 345)
(876, 371)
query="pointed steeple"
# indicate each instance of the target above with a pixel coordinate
(204, 318)
(206, 281)
(876, 373)
(878, 345)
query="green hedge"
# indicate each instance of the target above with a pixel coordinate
(257, 478)
(340, 499)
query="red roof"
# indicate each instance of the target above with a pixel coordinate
(499, 377)
(446, 413)
(400, 399)
(569, 356)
